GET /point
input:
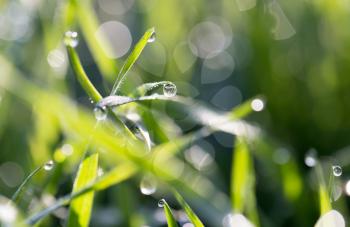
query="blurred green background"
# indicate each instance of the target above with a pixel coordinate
(293, 54)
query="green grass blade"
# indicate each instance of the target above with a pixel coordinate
(113, 177)
(132, 59)
(81, 75)
(190, 214)
(325, 201)
(240, 175)
(17, 194)
(168, 213)
(80, 208)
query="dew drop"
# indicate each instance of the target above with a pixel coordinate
(337, 170)
(161, 203)
(148, 185)
(169, 90)
(71, 38)
(100, 113)
(49, 165)
(152, 38)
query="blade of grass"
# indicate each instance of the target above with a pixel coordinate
(190, 214)
(240, 175)
(81, 75)
(325, 202)
(168, 213)
(132, 59)
(243, 181)
(80, 208)
(86, 84)
(17, 194)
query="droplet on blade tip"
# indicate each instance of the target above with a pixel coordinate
(161, 203)
(71, 38)
(337, 170)
(152, 38)
(49, 165)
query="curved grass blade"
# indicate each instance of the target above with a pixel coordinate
(243, 181)
(168, 213)
(190, 214)
(80, 208)
(81, 75)
(113, 177)
(132, 59)
(17, 194)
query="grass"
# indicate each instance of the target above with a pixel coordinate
(148, 142)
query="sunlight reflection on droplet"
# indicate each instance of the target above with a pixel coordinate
(169, 90)
(161, 203)
(100, 113)
(117, 36)
(282, 28)
(257, 105)
(217, 68)
(337, 170)
(71, 38)
(49, 165)
(115, 7)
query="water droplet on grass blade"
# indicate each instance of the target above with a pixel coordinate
(49, 165)
(152, 38)
(148, 185)
(100, 113)
(337, 170)
(71, 38)
(257, 105)
(169, 90)
(161, 203)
